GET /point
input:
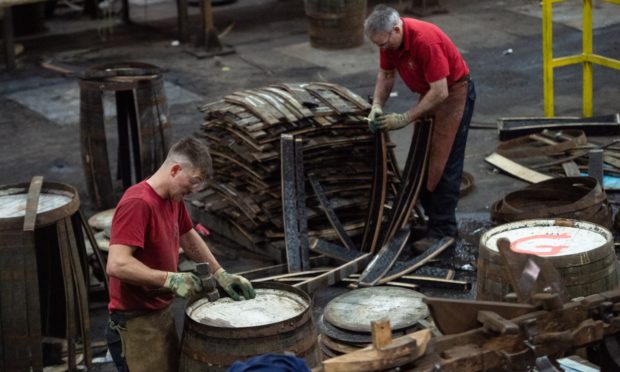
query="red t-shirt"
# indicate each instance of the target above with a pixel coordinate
(426, 55)
(154, 225)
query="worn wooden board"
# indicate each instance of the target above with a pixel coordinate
(384, 259)
(515, 169)
(403, 267)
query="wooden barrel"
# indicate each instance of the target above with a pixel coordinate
(143, 127)
(43, 275)
(335, 24)
(582, 252)
(216, 334)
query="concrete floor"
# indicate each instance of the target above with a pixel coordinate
(40, 109)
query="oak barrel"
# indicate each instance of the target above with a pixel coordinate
(43, 275)
(143, 128)
(582, 252)
(335, 24)
(216, 334)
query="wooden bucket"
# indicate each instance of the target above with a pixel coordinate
(335, 24)
(210, 343)
(582, 252)
(43, 275)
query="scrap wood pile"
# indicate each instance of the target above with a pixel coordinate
(244, 131)
(544, 328)
(540, 156)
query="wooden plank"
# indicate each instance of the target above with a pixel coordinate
(381, 333)
(398, 352)
(81, 281)
(334, 251)
(571, 169)
(251, 106)
(276, 103)
(401, 268)
(33, 307)
(300, 94)
(515, 169)
(384, 259)
(300, 191)
(431, 282)
(70, 300)
(289, 203)
(334, 276)
(298, 274)
(330, 99)
(331, 215)
(15, 349)
(450, 322)
(288, 102)
(261, 104)
(346, 94)
(377, 194)
(317, 261)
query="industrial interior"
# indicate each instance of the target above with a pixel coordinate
(317, 185)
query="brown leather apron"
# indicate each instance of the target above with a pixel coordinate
(448, 117)
(150, 342)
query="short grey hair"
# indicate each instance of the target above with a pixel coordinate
(382, 19)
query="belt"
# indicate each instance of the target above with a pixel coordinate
(464, 78)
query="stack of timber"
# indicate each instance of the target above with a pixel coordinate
(243, 130)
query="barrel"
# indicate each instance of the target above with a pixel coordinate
(278, 320)
(579, 198)
(335, 24)
(143, 128)
(582, 252)
(43, 275)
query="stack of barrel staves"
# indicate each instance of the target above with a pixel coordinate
(244, 202)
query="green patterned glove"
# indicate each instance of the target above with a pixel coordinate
(183, 284)
(235, 285)
(392, 121)
(375, 112)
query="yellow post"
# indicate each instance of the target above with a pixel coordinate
(547, 49)
(587, 63)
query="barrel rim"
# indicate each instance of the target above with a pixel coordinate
(257, 331)
(541, 222)
(47, 217)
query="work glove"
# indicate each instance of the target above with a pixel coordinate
(183, 284)
(235, 285)
(392, 121)
(375, 112)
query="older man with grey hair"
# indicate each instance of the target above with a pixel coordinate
(429, 64)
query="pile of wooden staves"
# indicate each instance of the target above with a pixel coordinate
(244, 130)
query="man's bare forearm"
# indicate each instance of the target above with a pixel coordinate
(124, 266)
(383, 87)
(435, 96)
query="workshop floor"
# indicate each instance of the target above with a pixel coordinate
(501, 41)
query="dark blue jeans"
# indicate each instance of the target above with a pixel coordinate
(113, 340)
(440, 205)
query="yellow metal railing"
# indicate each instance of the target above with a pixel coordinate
(586, 58)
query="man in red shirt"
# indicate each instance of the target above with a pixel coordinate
(429, 64)
(149, 225)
